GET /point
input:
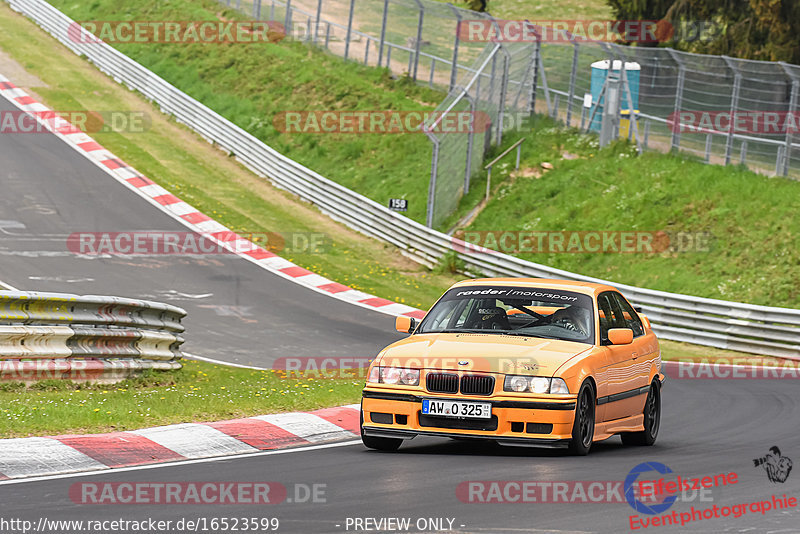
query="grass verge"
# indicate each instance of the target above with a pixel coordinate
(202, 392)
(198, 392)
(533, 11)
(253, 84)
(736, 234)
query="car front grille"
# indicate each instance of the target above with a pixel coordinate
(449, 383)
(442, 383)
(477, 385)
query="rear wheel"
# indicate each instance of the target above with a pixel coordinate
(652, 420)
(583, 427)
(380, 444)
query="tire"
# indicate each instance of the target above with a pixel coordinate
(652, 420)
(380, 444)
(583, 427)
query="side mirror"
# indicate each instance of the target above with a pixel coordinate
(620, 336)
(406, 325)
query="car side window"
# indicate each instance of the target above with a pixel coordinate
(610, 315)
(630, 317)
(462, 318)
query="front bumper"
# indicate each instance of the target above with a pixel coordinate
(535, 422)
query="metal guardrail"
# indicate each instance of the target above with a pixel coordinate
(57, 335)
(717, 323)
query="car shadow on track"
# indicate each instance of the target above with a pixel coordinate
(476, 447)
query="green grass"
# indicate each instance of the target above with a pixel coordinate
(247, 83)
(544, 10)
(196, 393)
(754, 254)
(204, 392)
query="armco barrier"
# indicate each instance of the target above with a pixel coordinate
(62, 336)
(716, 323)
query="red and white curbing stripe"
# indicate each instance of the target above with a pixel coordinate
(42, 456)
(190, 216)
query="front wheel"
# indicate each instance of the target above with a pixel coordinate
(583, 427)
(380, 444)
(652, 420)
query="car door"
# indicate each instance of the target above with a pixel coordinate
(644, 346)
(622, 375)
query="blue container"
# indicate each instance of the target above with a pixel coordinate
(599, 74)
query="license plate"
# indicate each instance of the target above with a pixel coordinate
(451, 408)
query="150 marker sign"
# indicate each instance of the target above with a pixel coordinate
(398, 204)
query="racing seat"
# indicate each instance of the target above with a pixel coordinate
(489, 318)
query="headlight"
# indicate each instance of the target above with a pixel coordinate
(535, 384)
(394, 376)
(516, 383)
(540, 384)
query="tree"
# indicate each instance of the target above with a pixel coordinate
(751, 29)
(476, 5)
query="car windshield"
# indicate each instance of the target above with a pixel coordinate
(528, 311)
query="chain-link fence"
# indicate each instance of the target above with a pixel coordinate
(669, 100)
(721, 109)
(419, 38)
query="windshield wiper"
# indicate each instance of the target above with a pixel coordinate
(515, 333)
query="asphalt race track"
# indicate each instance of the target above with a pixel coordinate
(709, 428)
(251, 316)
(237, 311)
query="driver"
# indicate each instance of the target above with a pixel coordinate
(572, 318)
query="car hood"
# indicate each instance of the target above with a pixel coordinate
(482, 352)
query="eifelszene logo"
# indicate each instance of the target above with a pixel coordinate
(631, 494)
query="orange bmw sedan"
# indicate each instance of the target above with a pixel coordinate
(521, 361)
